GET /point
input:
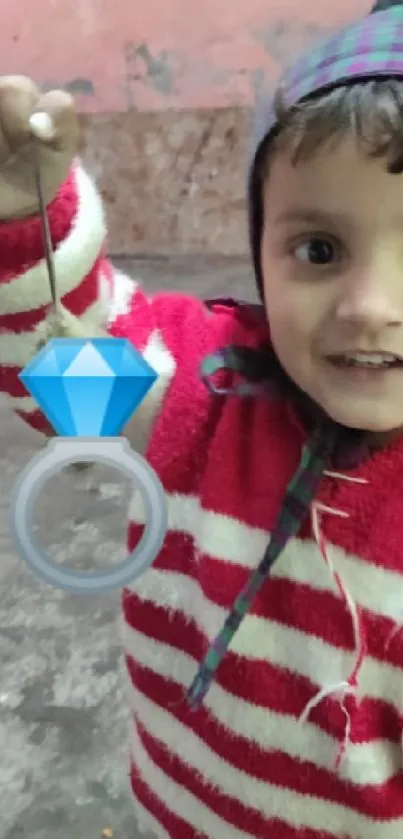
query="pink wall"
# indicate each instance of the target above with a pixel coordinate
(157, 54)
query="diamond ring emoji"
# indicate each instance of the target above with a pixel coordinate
(88, 389)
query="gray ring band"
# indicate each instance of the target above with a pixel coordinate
(112, 451)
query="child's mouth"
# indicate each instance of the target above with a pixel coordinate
(366, 360)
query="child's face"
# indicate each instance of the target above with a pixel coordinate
(332, 258)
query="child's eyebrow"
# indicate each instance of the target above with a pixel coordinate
(311, 216)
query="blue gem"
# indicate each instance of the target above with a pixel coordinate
(88, 388)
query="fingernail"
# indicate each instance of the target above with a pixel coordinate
(41, 125)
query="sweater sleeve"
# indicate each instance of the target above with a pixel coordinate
(92, 290)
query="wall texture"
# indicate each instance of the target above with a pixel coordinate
(165, 89)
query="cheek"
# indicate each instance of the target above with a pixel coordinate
(292, 339)
(298, 316)
(287, 318)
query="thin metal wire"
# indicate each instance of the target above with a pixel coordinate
(47, 240)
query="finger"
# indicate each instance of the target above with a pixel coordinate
(18, 99)
(58, 121)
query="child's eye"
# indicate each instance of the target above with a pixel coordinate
(316, 251)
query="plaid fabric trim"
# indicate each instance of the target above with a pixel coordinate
(372, 47)
(254, 379)
(299, 494)
(298, 497)
(226, 359)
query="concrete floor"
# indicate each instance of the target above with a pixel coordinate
(63, 715)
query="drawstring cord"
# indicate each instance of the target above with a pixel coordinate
(349, 687)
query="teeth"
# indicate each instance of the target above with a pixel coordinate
(375, 360)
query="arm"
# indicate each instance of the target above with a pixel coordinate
(89, 287)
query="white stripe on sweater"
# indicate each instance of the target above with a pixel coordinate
(259, 639)
(224, 537)
(298, 810)
(123, 290)
(181, 802)
(74, 257)
(369, 763)
(18, 348)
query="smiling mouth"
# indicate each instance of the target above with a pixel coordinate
(367, 360)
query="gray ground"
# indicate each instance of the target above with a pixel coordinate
(63, 716)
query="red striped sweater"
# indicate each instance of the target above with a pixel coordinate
(246, 764)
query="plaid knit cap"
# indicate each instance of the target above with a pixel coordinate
(372, 48)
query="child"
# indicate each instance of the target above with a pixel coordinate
(287, 724)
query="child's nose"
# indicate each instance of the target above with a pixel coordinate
(369, 304)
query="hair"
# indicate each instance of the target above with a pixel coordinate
(371, 110)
